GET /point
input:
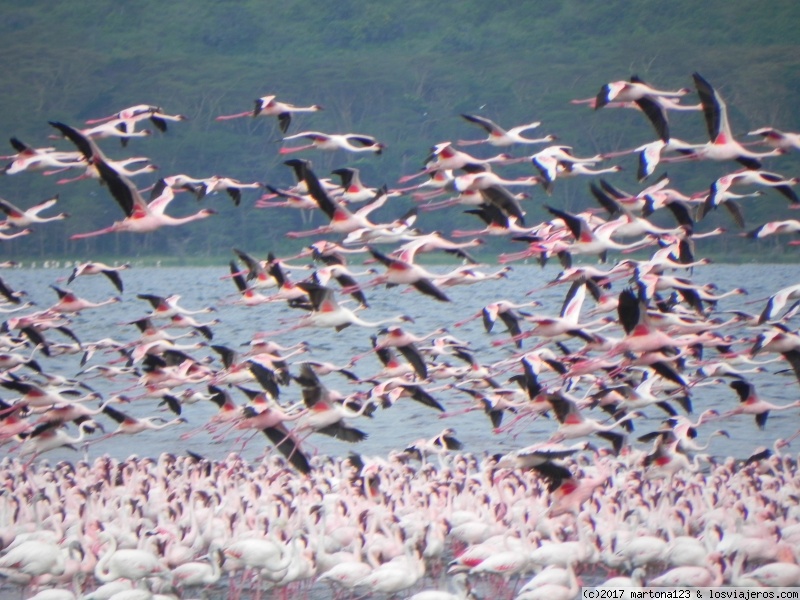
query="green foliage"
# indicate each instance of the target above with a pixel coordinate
(401, 71)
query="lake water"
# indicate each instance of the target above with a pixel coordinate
(407, 421)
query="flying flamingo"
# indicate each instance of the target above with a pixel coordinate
(121, 166)
(775, 228)
(51, 435)
(404, 272)
(777, 138)
(23, 218)
(751, 404)
(557, 160)
(326, 412)
(351, 142)
(777, 301)
(69, 303)
(501, 137)
(722, 146)
(29, 158)
(129, 425)
(131, 115)
(342, 220)
(166, 307)
(573, 424)
(115, 128)
(267, 106)
(644, 96)
(140, 217)
(215, 184)
(327, 312)
(98, 268)
(444, 157)
(352, 189)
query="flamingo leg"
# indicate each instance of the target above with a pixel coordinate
(80, 236)
(296, 149)
(236, 116)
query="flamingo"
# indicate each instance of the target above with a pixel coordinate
(50, 435)
(327, 312)
(215, 184)
(555, 591)
(573, 424)
(129, 425)
(196, 573)
(267, 106)
(141, 217)
(776, 574)
(630, 91)
(352, 142)
(589, 240)
(555, 160)
(751, 404)
(258, 274)
(462, 591)
(342, 220)
(166, 307)
(444, 157)
(691, 576)
(754, 177)
(121, 166)
(29, 158)
(352, 189)
(775, 228)
(501, 137)
(780, 340)
(777, 301)
(248, 294)
(35, 558)
(644, 96)
(403, 272)
(24, 218)
(97, 268)
(69, 303)
(131, 115)
(128, 563)
(118, 128)
(325, 415)
(777, 138)
(722, 146)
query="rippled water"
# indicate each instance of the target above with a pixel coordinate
(406, 421)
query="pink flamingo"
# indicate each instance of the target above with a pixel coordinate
(352, 142)
(140, 217)
(267, 106)
(501, 137)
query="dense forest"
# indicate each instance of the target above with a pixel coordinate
(400, 71)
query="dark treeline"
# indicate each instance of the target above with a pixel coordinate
(400, 71)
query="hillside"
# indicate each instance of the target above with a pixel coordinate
(401, 71)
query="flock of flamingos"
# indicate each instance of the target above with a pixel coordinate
(597, 502)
